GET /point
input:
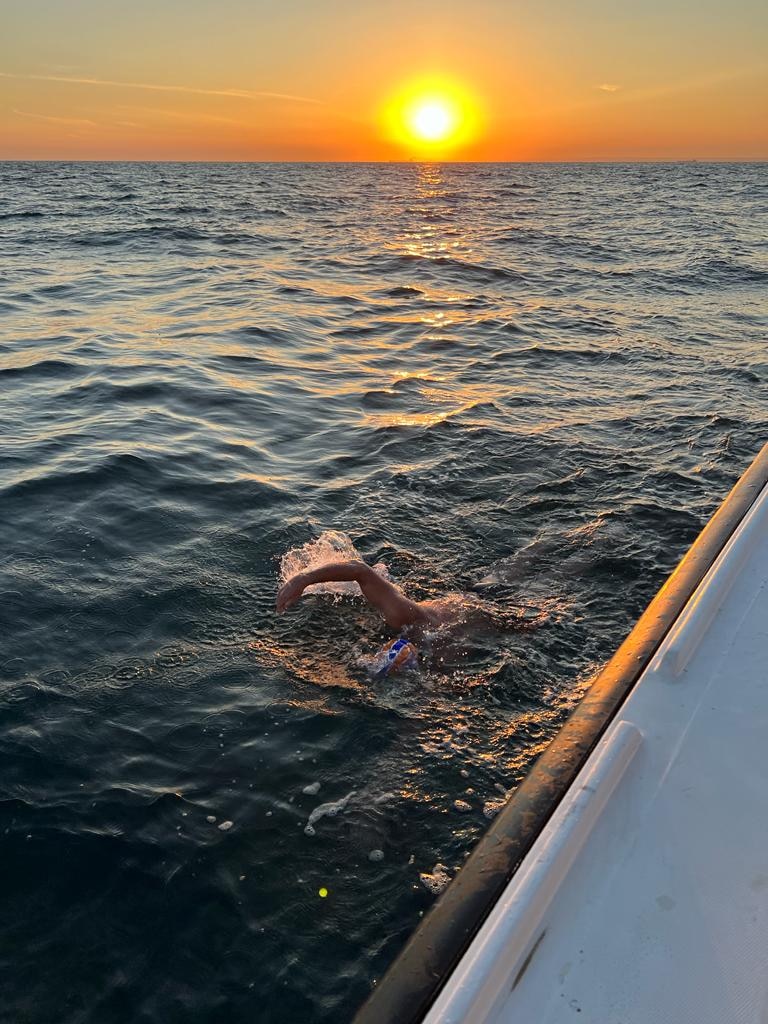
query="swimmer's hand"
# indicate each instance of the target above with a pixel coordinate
(290, 592)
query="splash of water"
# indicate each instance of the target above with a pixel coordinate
(330, 546)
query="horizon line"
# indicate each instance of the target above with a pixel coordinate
(406, 161)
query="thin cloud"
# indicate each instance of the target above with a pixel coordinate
(608, 87)
(56, 120)
(242, 94)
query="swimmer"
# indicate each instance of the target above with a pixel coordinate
(398, 611)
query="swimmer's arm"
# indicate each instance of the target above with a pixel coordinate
(396, 608)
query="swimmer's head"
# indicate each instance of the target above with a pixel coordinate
(394, 657)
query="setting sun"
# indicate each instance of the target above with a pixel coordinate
(432, 116)
(432, 120)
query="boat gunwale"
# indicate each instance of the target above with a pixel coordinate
(417, 975)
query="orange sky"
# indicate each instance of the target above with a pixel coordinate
(254, 80)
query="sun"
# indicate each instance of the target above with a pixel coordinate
(432, 120)
(431, 117)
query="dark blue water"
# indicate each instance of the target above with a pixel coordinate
(534, 383)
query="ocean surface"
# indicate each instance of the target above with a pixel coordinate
(531, 383)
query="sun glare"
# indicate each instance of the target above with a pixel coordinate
(432, 120)
(431, 117)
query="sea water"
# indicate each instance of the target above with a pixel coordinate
(528, 383)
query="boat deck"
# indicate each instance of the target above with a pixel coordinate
(645, 897)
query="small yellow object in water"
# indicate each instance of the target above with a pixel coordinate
(322, 892)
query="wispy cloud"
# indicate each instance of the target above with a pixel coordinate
(243, 94)
(608, 87)
(56, 120)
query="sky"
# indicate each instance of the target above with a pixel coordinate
(316, 79)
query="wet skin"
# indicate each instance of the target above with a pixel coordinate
(397, 610)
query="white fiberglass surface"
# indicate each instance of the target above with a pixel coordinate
(646, 897)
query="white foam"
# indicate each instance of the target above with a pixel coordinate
(462, 805)
(312, 789)
(436, 880)
(492, 807)
(329, 810)
(330, 546)
(225, 826)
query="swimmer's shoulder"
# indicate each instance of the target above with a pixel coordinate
(444, 610)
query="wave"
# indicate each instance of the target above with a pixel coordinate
(43, 369)
(567, 354)
(402, 292)
(122, 236)
(717, 270)
(461, 269)
(22, 215)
